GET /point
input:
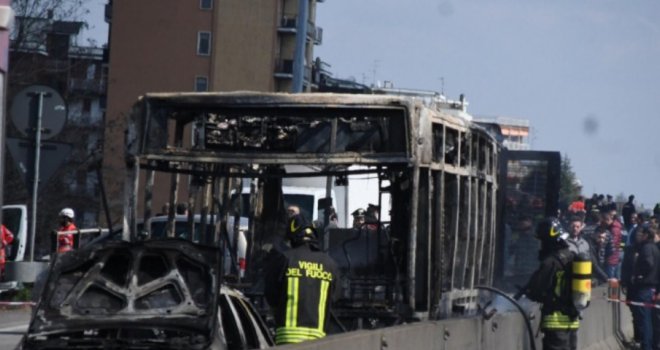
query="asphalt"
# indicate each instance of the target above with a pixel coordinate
(13, 324)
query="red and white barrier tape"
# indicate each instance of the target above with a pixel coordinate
(17, 303)
(635, 303)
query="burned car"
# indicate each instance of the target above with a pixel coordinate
(159, 294)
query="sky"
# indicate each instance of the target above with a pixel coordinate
(586, 74)
(97, 28)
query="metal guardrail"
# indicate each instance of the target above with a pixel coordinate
(84, 231)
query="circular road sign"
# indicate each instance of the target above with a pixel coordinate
(25, 108)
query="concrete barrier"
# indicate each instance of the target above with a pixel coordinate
(24, 271)
(505, 331)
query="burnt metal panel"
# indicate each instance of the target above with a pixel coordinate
(120, 288)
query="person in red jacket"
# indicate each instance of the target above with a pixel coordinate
(65, 241)
(5, 239)
(613, 253)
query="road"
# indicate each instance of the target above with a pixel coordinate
(13, 324)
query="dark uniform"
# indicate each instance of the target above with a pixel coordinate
(549, 285)
(300, 287)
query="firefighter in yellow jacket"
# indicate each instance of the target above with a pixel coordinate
(300, 286)
(550, 286)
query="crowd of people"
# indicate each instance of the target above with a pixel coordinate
(624, 247)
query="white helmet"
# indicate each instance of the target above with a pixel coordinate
(68, 212)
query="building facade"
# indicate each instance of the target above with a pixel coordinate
(201, 45)
(514, 133)
(47, 52)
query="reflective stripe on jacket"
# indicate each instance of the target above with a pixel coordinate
(548, 286)
(559, 321)
(300, 285)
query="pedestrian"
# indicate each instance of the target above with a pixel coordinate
(644, 280)
(6, 238)
(65, 240)
(358, 218)
(576, 243)
(301, 284)
(597, 245)
(577, 206)
(550, 287)
(613, 253)
(165, 209)
(372, 217)
(627, 211)
(629, 256)
(524, 249)
(182, 209)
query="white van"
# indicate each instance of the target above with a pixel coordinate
(14, 217)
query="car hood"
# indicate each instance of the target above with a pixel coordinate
(153, 292)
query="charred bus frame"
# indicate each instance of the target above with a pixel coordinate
(440, 170)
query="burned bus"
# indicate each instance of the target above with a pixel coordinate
(450, 203)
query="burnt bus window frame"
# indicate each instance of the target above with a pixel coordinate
(388, 125)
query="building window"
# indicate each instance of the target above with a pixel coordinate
(205, 4)
(91, 71)
(201, 83)
(204, 43)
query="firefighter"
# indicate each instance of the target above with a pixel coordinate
(549, 285)
(65, 241)
(300, 286)
(6, 238)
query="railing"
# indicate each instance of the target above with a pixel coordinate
(284, 68)
(288, 23)
(93, 86)
(318, 36)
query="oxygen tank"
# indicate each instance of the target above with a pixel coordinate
(581, 281)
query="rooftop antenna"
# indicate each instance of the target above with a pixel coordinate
(442, 86)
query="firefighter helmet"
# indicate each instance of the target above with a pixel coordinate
(550, 229)
(300, 230)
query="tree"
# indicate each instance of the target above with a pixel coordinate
(569, 187)
(33, 15)
(43, 51)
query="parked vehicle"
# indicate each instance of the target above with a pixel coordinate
(14, 217)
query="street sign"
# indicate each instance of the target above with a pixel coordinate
(24, 111)
(53, 154)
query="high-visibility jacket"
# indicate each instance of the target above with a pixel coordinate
(300, 285)
(6, 238)
(550, 286)
(65, 241)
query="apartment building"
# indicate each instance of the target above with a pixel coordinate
(202, 45)
(49, 52)
(514, 133)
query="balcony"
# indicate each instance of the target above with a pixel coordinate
(284, 69)
(87, 86)
(318, 36)
(288, 24)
